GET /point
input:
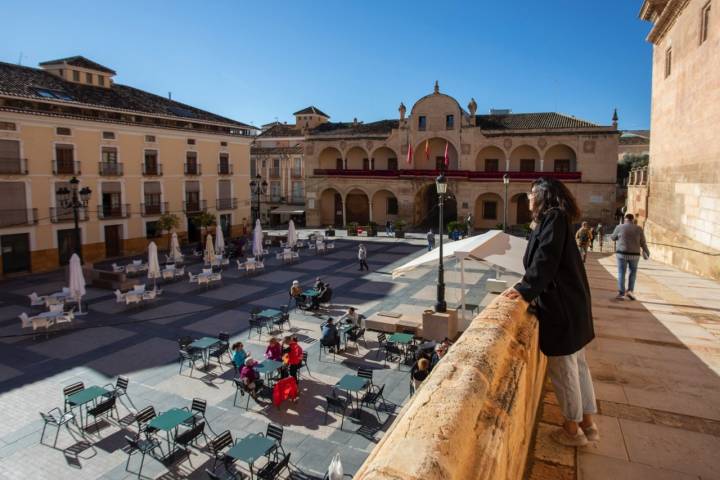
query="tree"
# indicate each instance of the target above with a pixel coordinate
(204, 220)
(167, 223)
(628, 162)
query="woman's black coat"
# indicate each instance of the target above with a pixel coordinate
(555, 278)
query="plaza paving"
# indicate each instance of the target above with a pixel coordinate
(141, 343)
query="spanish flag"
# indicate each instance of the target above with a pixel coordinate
(427, 149)
(409, 153)
(447, 156)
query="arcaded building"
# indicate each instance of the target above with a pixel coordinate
(360, 172)
(142, 155)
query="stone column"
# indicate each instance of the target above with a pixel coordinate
(370, 206)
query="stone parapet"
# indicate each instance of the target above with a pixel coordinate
(473, 417)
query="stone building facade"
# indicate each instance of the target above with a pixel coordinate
(142, 155)
(360, 172)
(683, 224)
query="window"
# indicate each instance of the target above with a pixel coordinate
(191, 141)
(76, 76)
(392, 206)
(492, 165)
(152, 230)
(449, 122)
(223, 144)
(527, 165)
(63, 131)
(64, 156)
(490, 210)
(297, 167)
(109, 155)
(392, 164)
(88, 78)
(704, 22)
(10, 157)
(422, 122)
(109, 135)
(298, 195)
(275, 191)
(562, 165)
(8, 126)
(366, 164)
(338, 164)
(668, 62)
(150, 138)
(101, 80)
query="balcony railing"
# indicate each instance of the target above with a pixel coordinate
(195, 206)
(152, 170)
(114, 211)
(226, 203)
(274, 173)
(61, 215)
(193, 169)
(13, 166)
(110, 168)
(156, 208)
(18, 216)
(296, 173)
(65, 167)
(455, 174)
(225, 169)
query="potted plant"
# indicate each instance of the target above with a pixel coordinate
(352, 229)
(329, 231)
(372, 229)
(400, 228)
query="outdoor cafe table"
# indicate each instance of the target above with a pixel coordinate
(344, 330)
(204, 344)
(267, 367)
(352, 383)
(311, 292)
(168, 421)
(250, 449)
(87, 395)
(401, 338)
(268, 315)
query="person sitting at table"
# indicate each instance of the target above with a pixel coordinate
(420, 371)
(318, 284)
(273, 350)
(250, 377)
(330, 336)
(296, 294)
(240, 355)
(351, 317)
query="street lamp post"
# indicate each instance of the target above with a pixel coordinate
(72, 198)
(258, 187)
(441, 186)
(506, 181)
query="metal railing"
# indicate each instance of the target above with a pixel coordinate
(18, 216)
(62, 215)
(193, 169)
(110, 168)
(13, 166)
(195, 206)
(225, 168)
(65, 167)
(155, 208)
(226, 203)
(114, 211)
(152, 170)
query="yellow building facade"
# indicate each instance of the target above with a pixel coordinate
(141, 155)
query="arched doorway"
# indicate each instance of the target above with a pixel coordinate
(435, 157)
(489, 211)
(522, 209)
(384, 207)
(427, 211)
(331, 210)
(357, 207)
(330, 159)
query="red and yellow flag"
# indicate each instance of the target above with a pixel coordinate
(409, 153)
(427, 149)
(447, 156)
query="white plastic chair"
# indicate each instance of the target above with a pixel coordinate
(26, 320)
(57, 307)
(119, 297)
(193, 278)
(179, 272)
(259, 265)
(36, 300)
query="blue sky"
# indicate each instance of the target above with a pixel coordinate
(255, 61)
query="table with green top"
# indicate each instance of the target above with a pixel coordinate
(352, 384)
(169, 421)
(250, 448)
(87, 395)
(311, 292)
(204, 344)
(401, 338)
(343, 331)
(268, 315)
(267, 367)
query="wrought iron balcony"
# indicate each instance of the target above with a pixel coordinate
(226, 203)
(113, 211)
(62, 215)
(13, 166)
(110, 168)
(195, 206)
(225, 168)
(152, 169)
(193, 169)
(155, 208)
(65, 167)
(18, 216)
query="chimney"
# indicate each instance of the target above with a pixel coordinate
(436, 89)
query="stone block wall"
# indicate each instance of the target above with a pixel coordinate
(473, 417)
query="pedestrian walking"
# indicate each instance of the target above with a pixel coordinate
(388, 228)
(362, 257)
(583, 237)
(430, 240)
(599, 232)
(630, 245)
(469, 224)
(556, 284)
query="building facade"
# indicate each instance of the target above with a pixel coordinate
(141, 155)
(683, 213)
(361, 172)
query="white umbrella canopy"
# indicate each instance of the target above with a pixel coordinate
(209, 250)
(153, 262)
(175, 253)
(77, 280)
(257, 248)
(292, 234)
(219, 241)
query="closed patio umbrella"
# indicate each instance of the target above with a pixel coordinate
(257, 248)
(292, 234)
(175, 253)
(77, 281)
(209, 251)
(219, 241)
(153, 263)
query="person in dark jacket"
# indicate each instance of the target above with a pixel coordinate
(556, 284)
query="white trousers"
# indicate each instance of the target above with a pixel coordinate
(573, 385)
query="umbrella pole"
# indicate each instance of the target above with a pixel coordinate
(462, 291)
(79, 302)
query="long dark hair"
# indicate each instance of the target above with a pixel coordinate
(552, 193)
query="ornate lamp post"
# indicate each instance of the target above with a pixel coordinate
(72, 198)
(258, 187)
(506, 181)
(441, 186)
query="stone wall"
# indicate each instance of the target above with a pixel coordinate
(473, 417)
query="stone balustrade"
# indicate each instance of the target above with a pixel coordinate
(473, 417)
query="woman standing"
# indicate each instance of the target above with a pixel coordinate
(555, 282)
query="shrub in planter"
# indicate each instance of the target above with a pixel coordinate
(400, 229)
(455, 225)
(372, 229)
(329, 231)
(352, 229)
